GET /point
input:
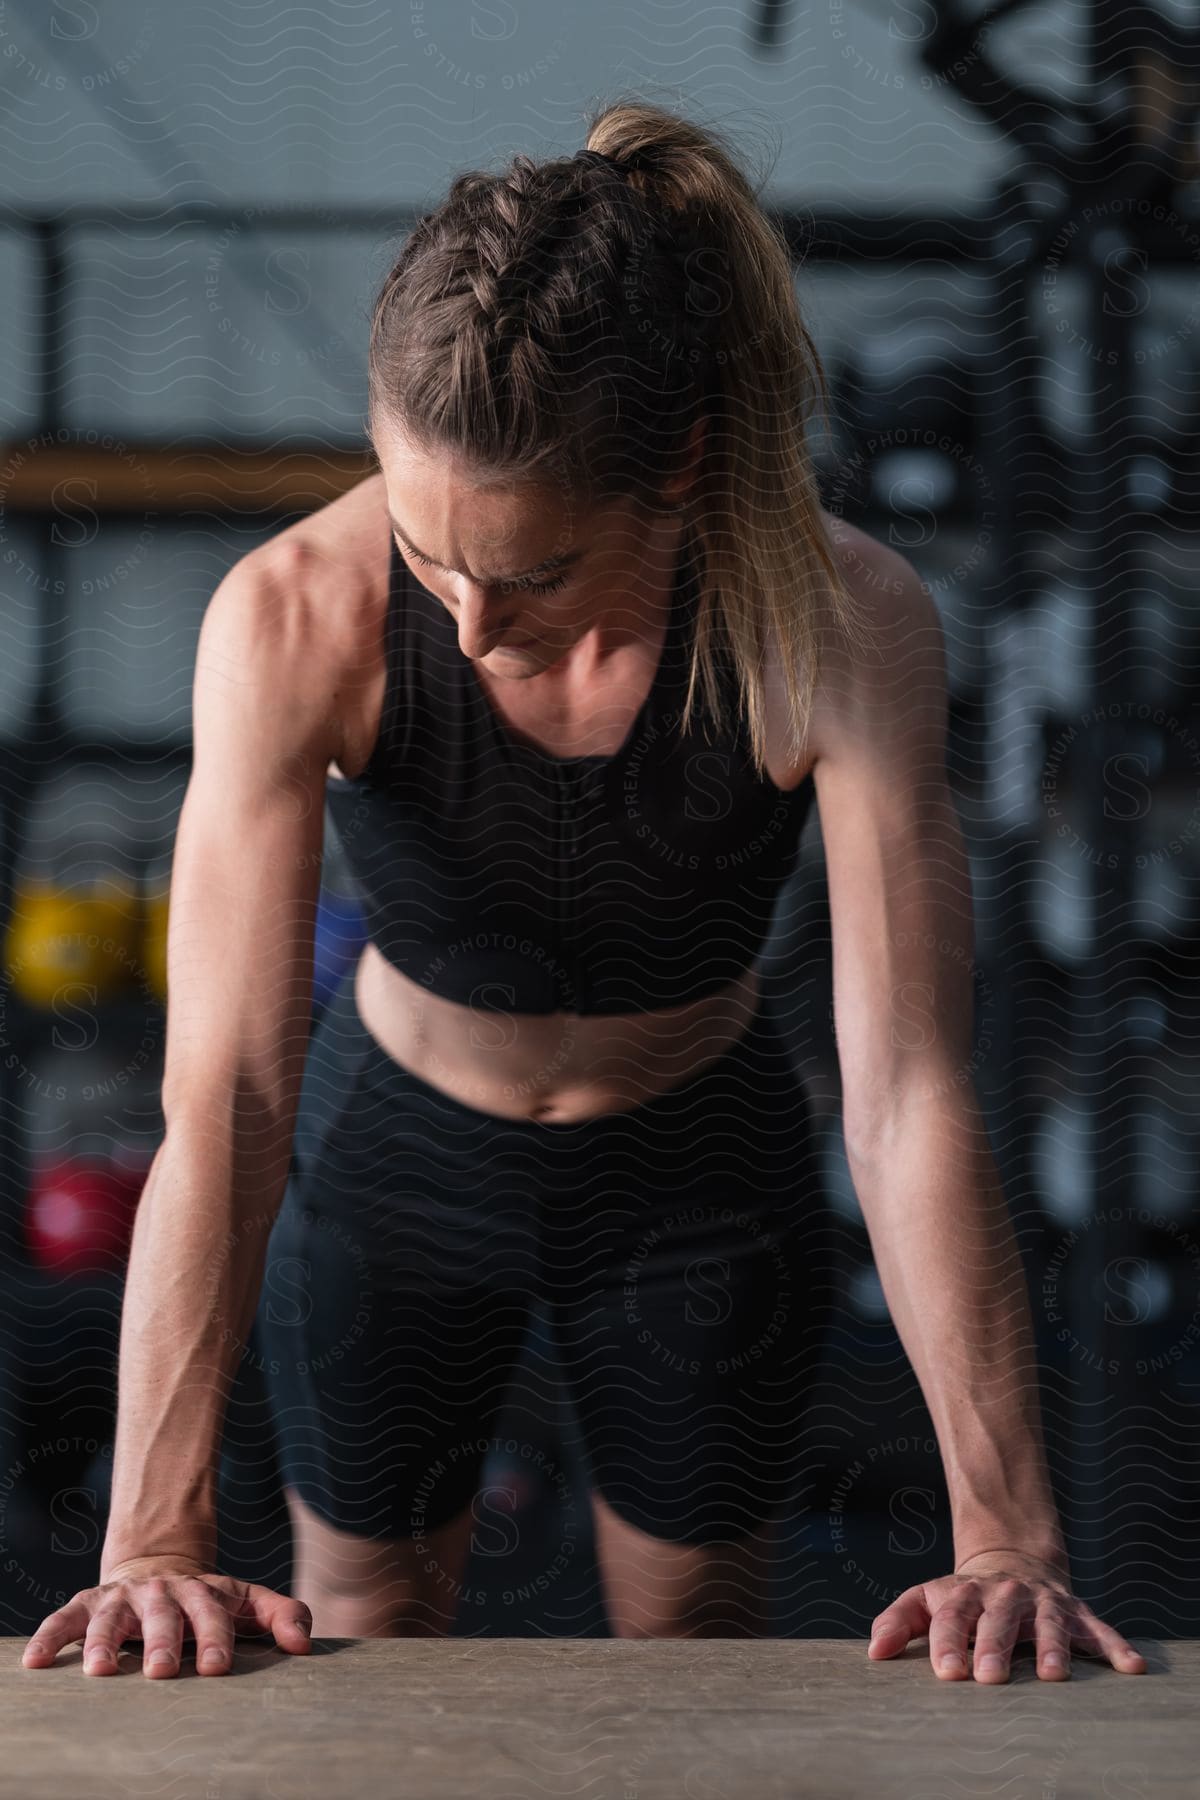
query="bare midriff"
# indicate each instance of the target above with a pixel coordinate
(556, 1068)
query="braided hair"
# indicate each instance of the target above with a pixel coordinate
(575, 319)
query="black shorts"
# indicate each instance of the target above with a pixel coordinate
(679, 1251)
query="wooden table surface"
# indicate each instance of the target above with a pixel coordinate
(597, 1719)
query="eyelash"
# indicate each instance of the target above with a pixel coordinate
(529, 587)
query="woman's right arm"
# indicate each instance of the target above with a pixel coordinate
(244, 890)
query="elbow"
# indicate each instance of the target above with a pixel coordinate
(939, 1112)
(871, 1115)
(231, 1122)
(862, 1140)
(932, 1127)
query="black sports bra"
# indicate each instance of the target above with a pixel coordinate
(510, 880)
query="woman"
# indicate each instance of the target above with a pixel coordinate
(558, 663)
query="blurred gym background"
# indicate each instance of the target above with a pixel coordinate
(995, 219)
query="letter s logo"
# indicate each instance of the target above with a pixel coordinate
(295, 290)
(84, 17)
(707, 1279)
(288, 1280)
(912, 1507)
(492, 1511)
(500, 18)
(718, 795)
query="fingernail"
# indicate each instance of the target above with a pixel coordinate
(212, 1659)
(162, 1659)
(38, 1648)
(1052, 1660)
(304, 1626)
(952, 1665)
(98, 1655)
(990, 1665)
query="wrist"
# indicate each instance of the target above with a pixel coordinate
(127, 1551)
(165, 1563)
(1030, 1526)
(1047, 1553)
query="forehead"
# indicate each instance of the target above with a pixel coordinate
(492, 529)
(435, 467)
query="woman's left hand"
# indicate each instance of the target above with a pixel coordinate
(1002, 1596)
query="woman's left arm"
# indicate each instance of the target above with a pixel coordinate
(918, 1151)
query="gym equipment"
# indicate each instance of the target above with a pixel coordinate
(80, 1213)
(340, 931)
(339, 937)
(1066, 905)
(71, 938)
(20, 600)
(1060, 1158)
(181, 478)
(89, 898)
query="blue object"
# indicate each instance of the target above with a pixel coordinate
(340, 936)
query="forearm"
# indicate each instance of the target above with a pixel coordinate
(194, 1275)
(952, 1274)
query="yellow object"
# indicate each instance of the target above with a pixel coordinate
(66, 942)
(155, 904)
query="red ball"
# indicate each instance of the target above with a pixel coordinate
(80, 1216)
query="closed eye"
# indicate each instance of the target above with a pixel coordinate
(523, 587)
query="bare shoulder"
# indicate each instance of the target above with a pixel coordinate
(870, 694)
(327, 570)
(310, 603)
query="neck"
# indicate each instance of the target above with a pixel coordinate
(644, 612)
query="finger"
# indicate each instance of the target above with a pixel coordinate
(1096, 1638)
(950, 1631)
(162, 1627)
(906, 1618)
(289, 1621)
(66, 1626)
(211, 1626)
(1052, 1637)
(998, 1628)
(113, 1621)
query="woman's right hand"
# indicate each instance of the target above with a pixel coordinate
(162, 1600)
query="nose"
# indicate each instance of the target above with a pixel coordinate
(484, 617)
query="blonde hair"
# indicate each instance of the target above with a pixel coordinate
(575, 317)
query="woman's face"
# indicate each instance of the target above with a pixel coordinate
(524, 573)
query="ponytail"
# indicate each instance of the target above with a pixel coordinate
(589, 312)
